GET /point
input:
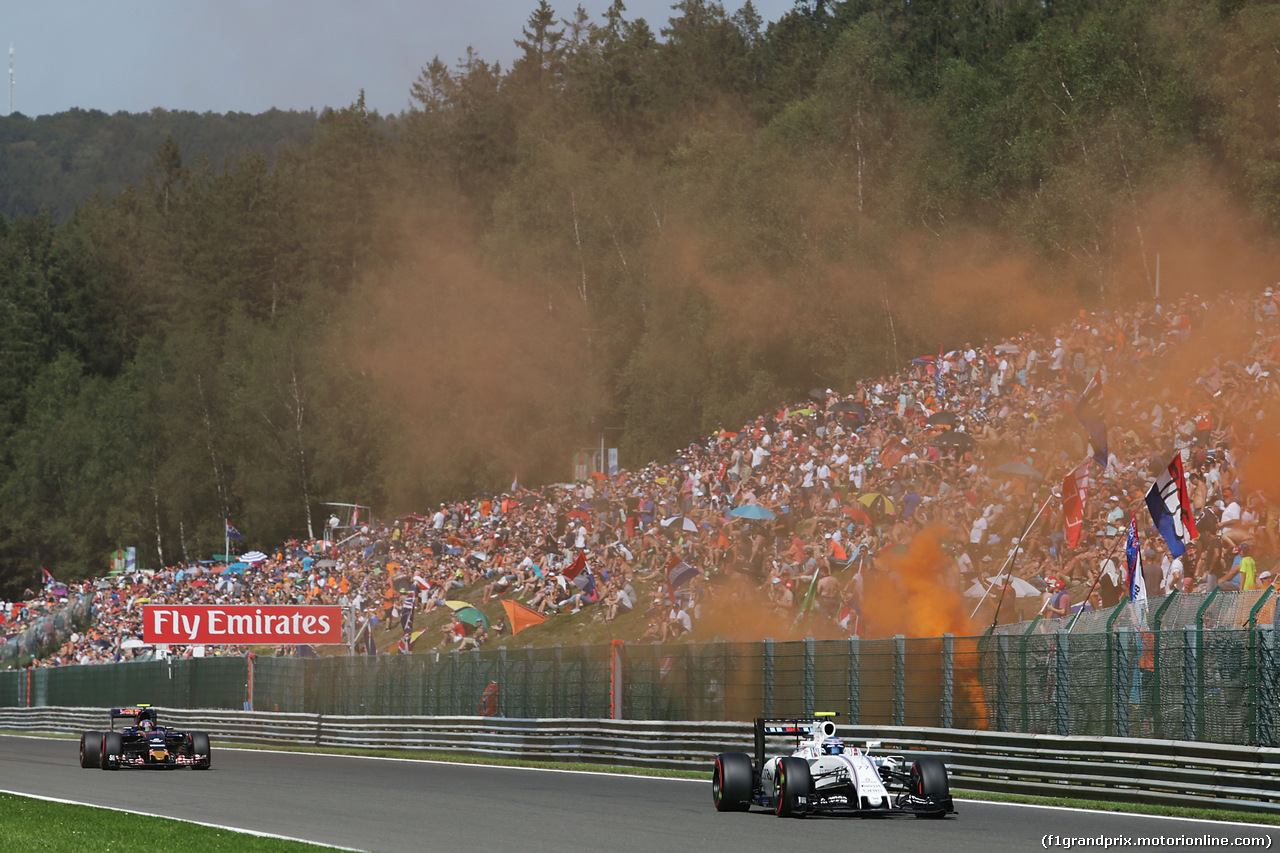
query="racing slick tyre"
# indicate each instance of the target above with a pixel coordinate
(795, 787)
(91, 749)
(929, 779)
(112, 746)
(732, 782)
(200, 746)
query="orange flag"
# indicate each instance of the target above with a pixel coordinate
(522, 616)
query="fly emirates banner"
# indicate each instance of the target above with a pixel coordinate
(241, 624)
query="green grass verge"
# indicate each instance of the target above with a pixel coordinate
(38, 825)
(1193, 812)
(1216, 813)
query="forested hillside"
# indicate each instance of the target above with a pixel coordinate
(52, 163)
(641, 230)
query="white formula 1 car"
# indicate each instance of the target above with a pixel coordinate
(823, 776)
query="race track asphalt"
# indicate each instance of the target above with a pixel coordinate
(416, 806)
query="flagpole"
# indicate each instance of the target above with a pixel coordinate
(1092, 587)
(1013, 553)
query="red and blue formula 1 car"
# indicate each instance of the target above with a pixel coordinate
(144, 744)
(821, 775)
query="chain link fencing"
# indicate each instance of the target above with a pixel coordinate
(1205, 669)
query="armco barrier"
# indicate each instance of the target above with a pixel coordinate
(1166, 772)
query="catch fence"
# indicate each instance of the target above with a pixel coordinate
(1194, 684)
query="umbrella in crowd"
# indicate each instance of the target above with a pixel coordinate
(1021, 469)
(680, 522)
(948, 440)
(235, 569)
(132, 643)
(947, 419)
(850, 409)
(326, 564)
(878, 504)
(254, 557)
(1007, 349)
(857, 513)
(1019, 587)
(752, 512)
(472, 616)
(578, 514)
(200, 582)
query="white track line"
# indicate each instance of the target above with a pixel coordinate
(238, 829)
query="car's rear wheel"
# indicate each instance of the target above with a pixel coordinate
(929, 779)
(732, 781)
(91, 749)
(112, 747)
(200, 746)
(795, 787)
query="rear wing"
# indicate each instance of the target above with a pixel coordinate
(130, 713)
(797, 727)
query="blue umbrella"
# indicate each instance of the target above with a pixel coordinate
(755, 512)
(234, 569)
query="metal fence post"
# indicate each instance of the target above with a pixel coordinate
(1024, 702)
(477, 685)
(1002, 682)
(1252, 673)
(655, 681)
(809, 667)
(527, 686)
(1200, 661)
(1157, 709)
(768, 676)
(455, 682)
(1190, 710)
(1061, 685)
(948, 680)
(855, 684)
(1267, 694)
(502, 682)
(557, 679)
(899, 680)
(1108, 709)
(1123, 679)
(583, 683)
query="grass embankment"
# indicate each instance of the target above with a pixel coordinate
(30, 824)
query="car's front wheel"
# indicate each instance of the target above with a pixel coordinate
(200, 746)
(795, 787)
(91, 749)
(929, 779)
(732, 781)
(112, 747)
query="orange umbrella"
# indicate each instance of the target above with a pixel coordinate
(521, 616)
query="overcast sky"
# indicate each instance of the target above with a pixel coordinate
(252, 55)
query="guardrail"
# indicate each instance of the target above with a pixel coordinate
(1166, 772)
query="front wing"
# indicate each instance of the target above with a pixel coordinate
(838, 805)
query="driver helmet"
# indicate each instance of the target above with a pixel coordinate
(146, 725)
(832, 746)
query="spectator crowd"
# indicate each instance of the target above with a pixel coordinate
(801, 511)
